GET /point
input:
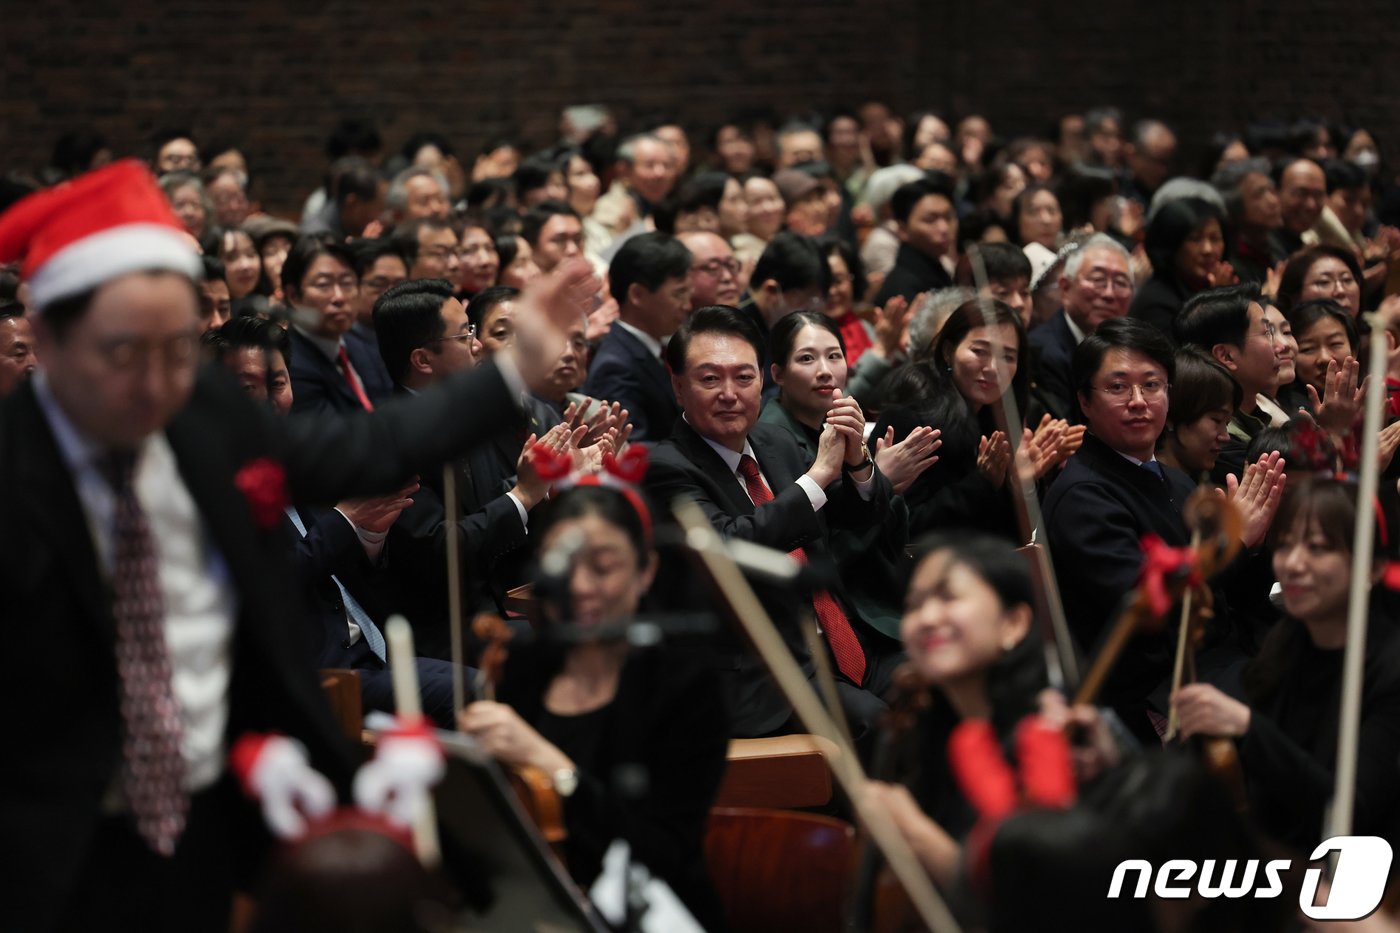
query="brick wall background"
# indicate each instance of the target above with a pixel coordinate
(275, 76)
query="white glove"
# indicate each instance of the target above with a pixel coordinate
(407, 762)
(274, 769)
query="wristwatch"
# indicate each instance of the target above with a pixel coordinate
(864, 462)
(565, 782)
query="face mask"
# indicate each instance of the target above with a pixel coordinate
(1368, 159)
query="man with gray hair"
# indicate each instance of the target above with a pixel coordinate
(1097, 286)
(418, 192)
(1149, 156)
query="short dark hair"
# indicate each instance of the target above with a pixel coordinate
(784, 334)
(613, 506)
(406, 317)
(1004, 262)
(793, 261)
(367, 252)
(1124, 333)
(405, 235)
(486, 299)
(533, 172)
(304, 252)
(250, 331)
(1216, 315)
(1200, 386)
(1290, 286)
(1079, 189)
(712, 319)
(1342, 175)
(907, 196)
(352, 175)
(533, 220)
(352, 137)
(648, 260)
(213, 268)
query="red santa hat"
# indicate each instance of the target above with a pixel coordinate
(101, 225)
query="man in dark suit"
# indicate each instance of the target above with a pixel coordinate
(424, 338)
(142, 588)
(1113, 491)
(1097, 286)
(650, 278)
(331, 369)
(753, 482)
(926, 223)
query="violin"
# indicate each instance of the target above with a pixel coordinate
(1168, 575)
(532, 786)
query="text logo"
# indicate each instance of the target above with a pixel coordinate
(1363, 862)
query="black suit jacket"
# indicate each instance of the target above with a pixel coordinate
(624, 370)
(913, 272)
(1053, 347)
(57, 605)
(685, 466)
(317, 384)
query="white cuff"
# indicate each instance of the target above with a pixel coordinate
(815, 493)
(520, 510)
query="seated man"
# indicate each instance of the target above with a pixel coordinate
(424, 337)
(1008, 273)
(329, 372)
(714, 272)
(649, 277)
(430, 247)
(333, 554)
(1096, 286)
(926, 223)
(1228, 325)
(1113, 491)
(749, 479)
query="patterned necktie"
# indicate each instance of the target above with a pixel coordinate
(153, 770)
(353, 379)
(845, 646)
(373, 637)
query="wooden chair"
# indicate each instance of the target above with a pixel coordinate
(786, 772)
(778, 869)
(342, 688)
(521, 599)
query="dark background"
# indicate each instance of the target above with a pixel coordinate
(274, 77)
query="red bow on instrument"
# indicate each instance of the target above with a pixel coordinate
(1160, 561)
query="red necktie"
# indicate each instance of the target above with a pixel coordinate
(348, 372)
(153, 769)
(850, 657)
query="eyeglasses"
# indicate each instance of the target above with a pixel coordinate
(1101, 280)
(347, 284)
(1269, 332)
(716, 266)
(1151, 390)
(465, 336)
(1329, 282)
(128, 355)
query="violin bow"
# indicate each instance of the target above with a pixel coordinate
(845, 766)
(454, 584)
(1339, 818)
(1183, 635)
(1061, 663)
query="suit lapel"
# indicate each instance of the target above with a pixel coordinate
(52, 501)
(304, 351)
(713, 467)
(651, 368)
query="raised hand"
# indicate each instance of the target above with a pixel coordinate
(1342, 397)
(846, 416)
(1390, 440)
(993, 457)
(1257, 496)
(548, 309)
(892, 326)
(904, 462)
(831, 452)
(378, 513)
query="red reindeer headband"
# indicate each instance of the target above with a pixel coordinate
(620, 473)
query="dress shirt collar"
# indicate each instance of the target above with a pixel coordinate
(330, 346)
(79, 451)
(651, 343)
(730, 457)
(1074, 330)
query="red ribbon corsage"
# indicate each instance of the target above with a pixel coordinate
(263, 483)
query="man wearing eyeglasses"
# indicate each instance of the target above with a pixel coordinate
(431, 247)
(714, 272)
(1113, 491)
(330, 372)
(1230, 326)
(1097, 286)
